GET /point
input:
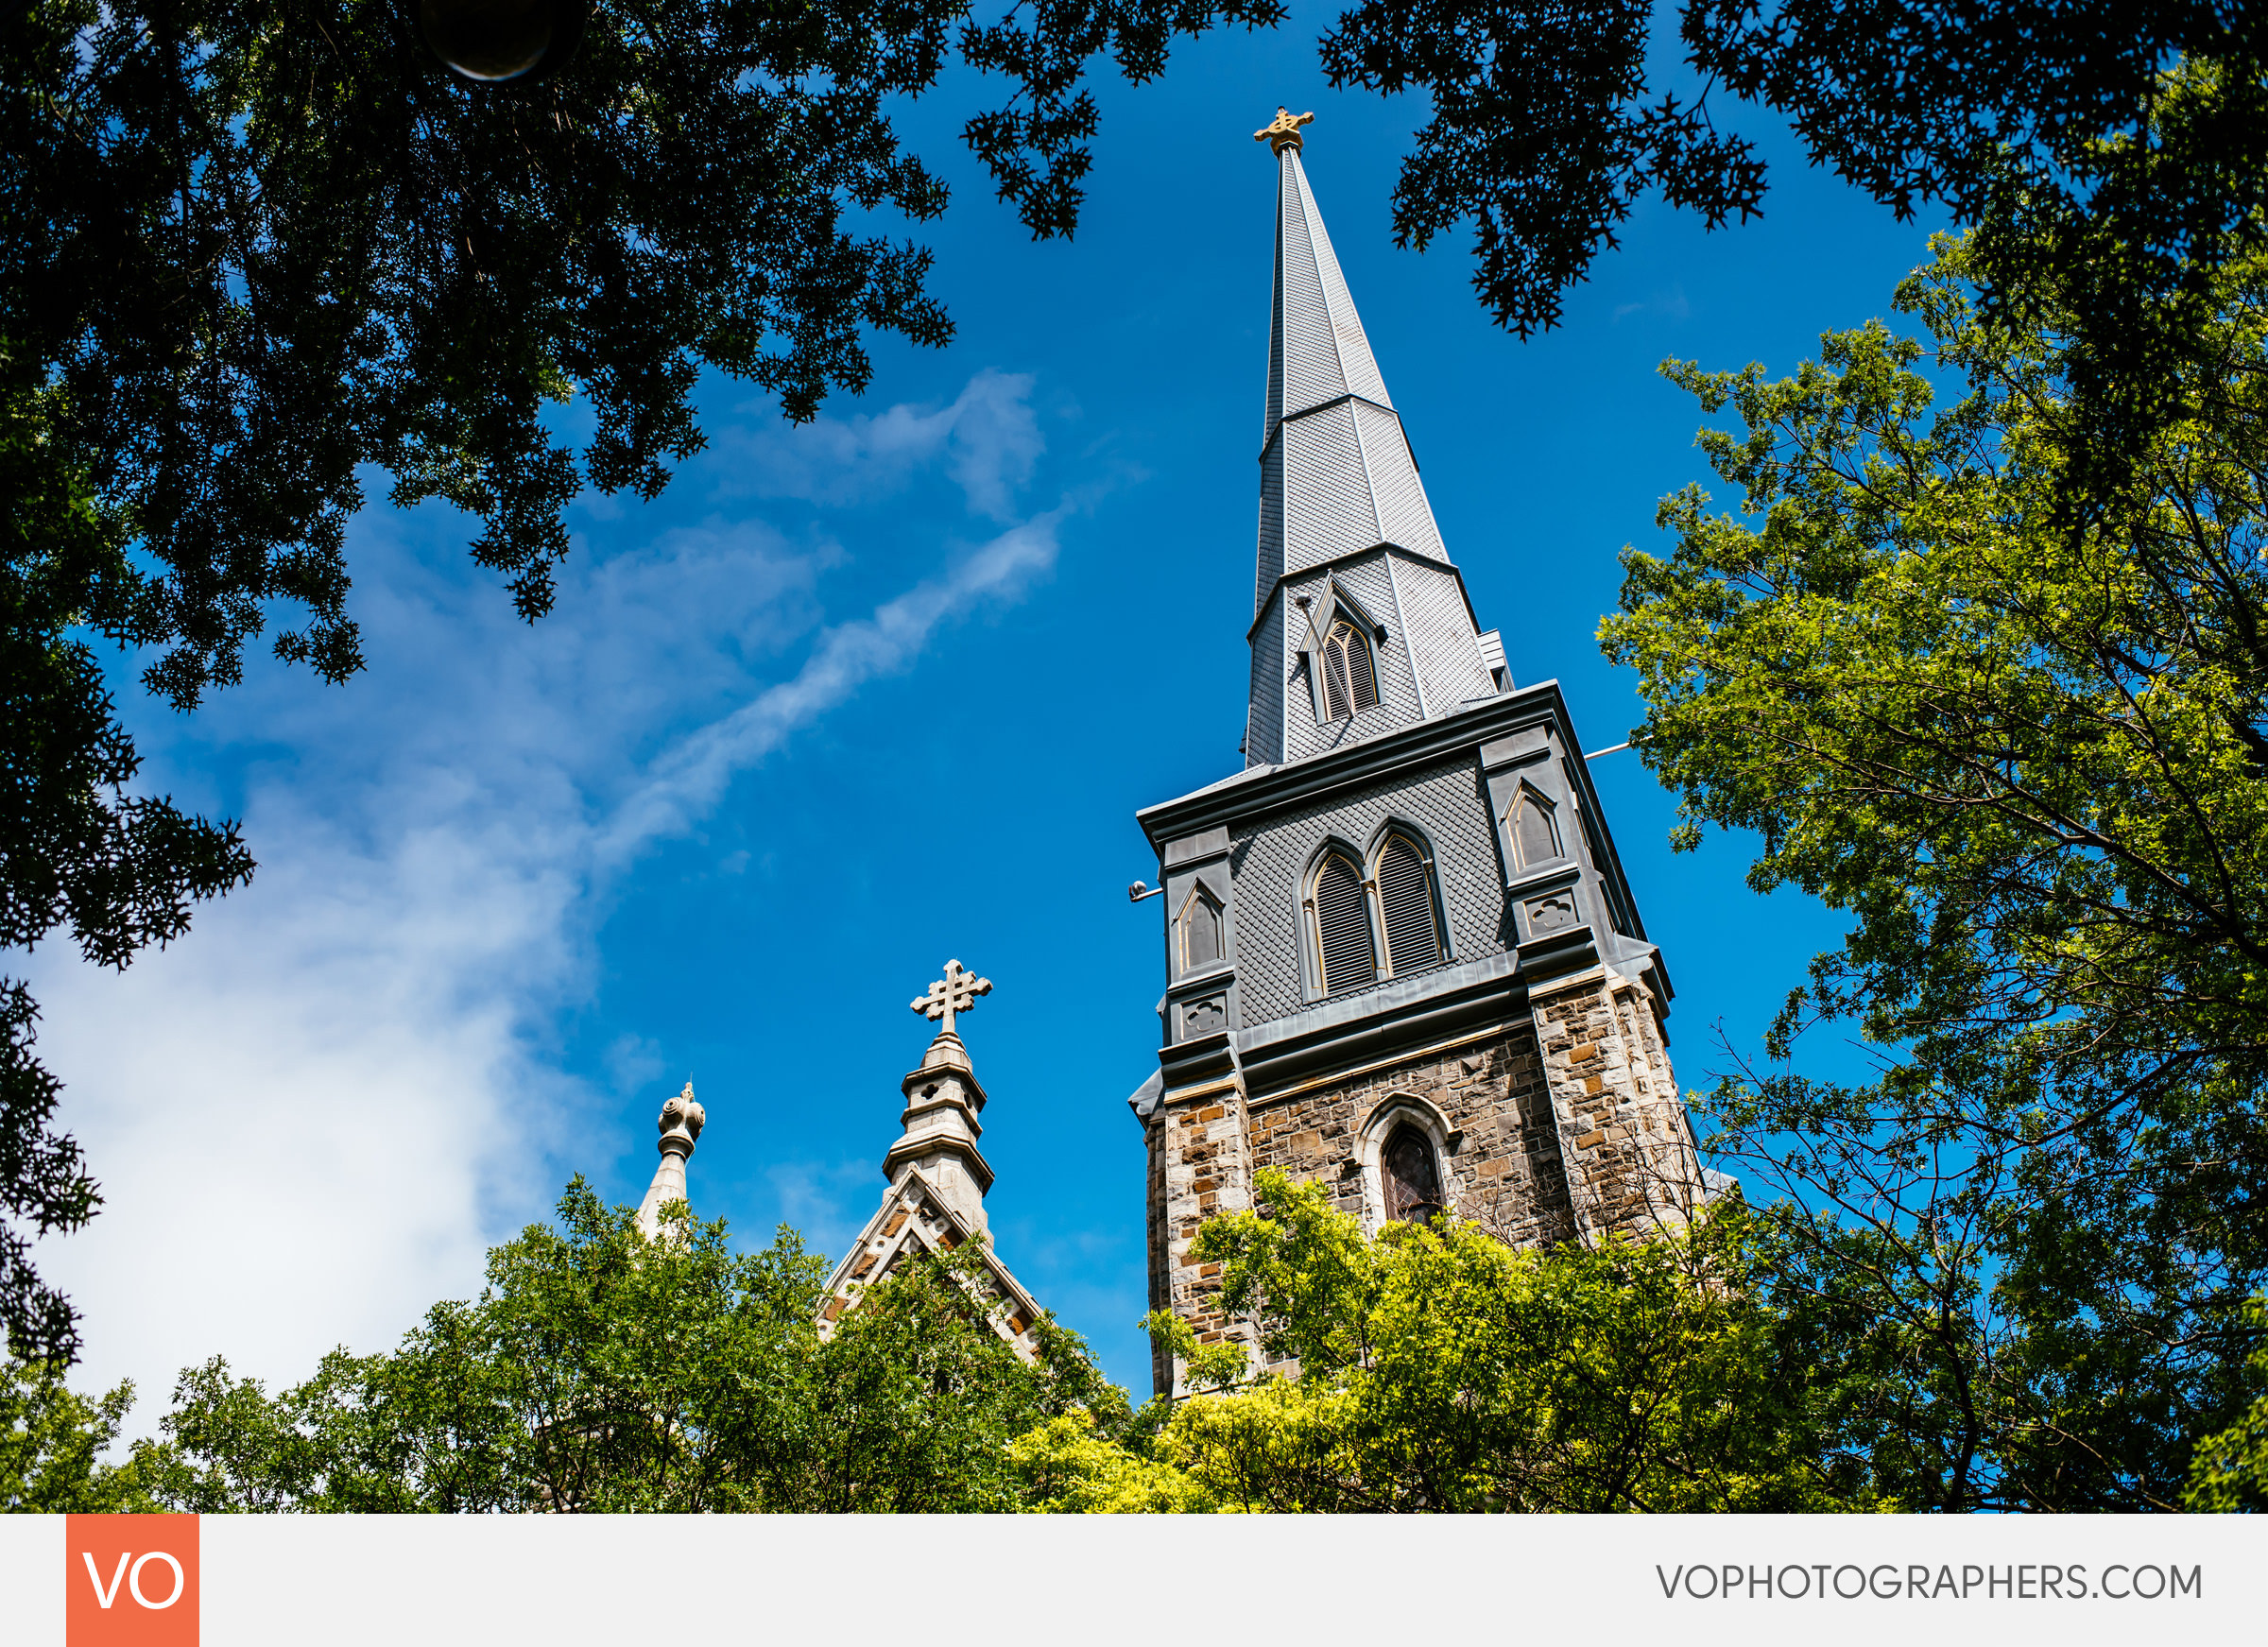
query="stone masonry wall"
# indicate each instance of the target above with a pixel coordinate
(1621, 1124)
(1504, 1170)
(1205, 1169)
(1567, 1127)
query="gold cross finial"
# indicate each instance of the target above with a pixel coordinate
(1283, 132)
(955, 992)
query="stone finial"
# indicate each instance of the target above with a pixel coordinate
(683, 1115)
(954, 992)
(1283, 132)
(682, 1119)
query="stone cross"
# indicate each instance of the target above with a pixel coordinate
(1283, 132)
(954, 992)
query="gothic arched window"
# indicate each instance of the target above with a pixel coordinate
(1200, 925)
(1411, 1179)
(1344, 951)
(1535, 829)
(1349, 679)
(1405, 905)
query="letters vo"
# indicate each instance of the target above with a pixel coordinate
(129, 1580)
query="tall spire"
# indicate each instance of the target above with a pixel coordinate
(1345, 530)
(682, 1119)
(1317, 351)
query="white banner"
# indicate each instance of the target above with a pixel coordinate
(911, 1581)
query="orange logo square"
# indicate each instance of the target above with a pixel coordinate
(129, 1580)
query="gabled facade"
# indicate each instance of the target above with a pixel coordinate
(1402, 955)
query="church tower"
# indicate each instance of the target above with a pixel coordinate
(1402, 956)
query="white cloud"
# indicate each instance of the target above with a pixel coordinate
(988, 439)
(305, 1116)
(313, 1115)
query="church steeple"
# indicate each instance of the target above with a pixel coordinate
(1361, 624)
(1403, 962)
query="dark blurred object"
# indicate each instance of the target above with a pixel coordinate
(484, 43)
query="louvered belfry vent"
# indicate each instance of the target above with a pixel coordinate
(1359, 668)
(1337, 695)
(1405, 899)
(1343, 926)
(1349, 679)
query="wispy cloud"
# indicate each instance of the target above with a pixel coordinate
(690, 777)
(988, 438)
(827, 1203)
(312, 1116)
(1669, 304)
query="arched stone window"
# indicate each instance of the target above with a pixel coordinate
(1346, 955)
(1200, 930)
(1535, 829)
(1404, 1149)
(1349, 677)
(1406, 906)
(1410, 1177)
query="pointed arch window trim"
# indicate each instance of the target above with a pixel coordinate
(1201, 921)
(1410, 1177)
(1387, 919)
(1358, 689)
(1349, 671)
(1397, 1111)
(1339, 917)
(1542, 846)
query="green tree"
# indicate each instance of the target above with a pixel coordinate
(75, 849)
(2229, 1471)
(51, 1445)
(1069, 1467)
(1544, 130)
(2108, 188)
(2029, 764)
(1436, 1368)
(258, 244)
(251, 249)
(603, 1371)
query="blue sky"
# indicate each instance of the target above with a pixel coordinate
(853, 699)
